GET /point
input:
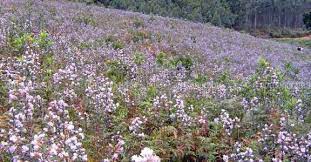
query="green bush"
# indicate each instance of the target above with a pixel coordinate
(117, 45)
(117, 71)
(161, 58)
(138, 23)
(43, 40)
(86, 19)
(200, 78)
(139, 58)
(139, 36)
(17, 43)
(3, 94)
(185, 61)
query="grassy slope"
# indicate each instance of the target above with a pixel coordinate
(303, 41)
(80, 34)
(215, 44)
(212, 45)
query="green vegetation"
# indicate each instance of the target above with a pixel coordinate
(86, 19)
(307, 20)
(117, 71)
(240, 14)
(17, 43)
(178, 91)
(139, 58)
(184, 61)
(305, 42)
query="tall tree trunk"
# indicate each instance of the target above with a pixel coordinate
(255, 19)
(280, 19)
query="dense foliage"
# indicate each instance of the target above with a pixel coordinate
(241, 14)
(307, 20)
(81, 83)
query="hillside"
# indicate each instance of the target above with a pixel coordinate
(81, 82)
(211, 44)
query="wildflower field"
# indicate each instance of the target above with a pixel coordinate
(85, 83)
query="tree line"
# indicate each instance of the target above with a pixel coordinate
(239, 14)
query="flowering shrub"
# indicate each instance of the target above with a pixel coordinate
(102, 86)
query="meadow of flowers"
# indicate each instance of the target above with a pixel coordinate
(85, 83)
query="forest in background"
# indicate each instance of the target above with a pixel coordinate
(248, 15)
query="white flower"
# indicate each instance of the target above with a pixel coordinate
(13, 138)
(12, 97)
(4, 143)
(81, 135)
(75, 156)
(65, 154)
(53, 149)
(225, 158)
(154, 159)
(70, 126)
(24, 149)
(137, 158)
(146, 152)
(84, 157)
(146, 155)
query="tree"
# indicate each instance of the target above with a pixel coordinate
(307, 20)
(240, 14)
(218, 13)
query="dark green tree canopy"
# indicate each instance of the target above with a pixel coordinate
(241, 14)
(307, 20)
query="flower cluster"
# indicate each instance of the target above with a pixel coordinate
(227, 122)
(290, 144)
(267, 137)
(57, 139)
(65, 138)
(161, 102)
(221, 91)
(299, 110)
(250, 105)
(241, 156)
(125, 92)
(100, 92)
(28, 65)
(136, 126)
(146, 155)
(116, 149)
(181, 114)
(17, 140)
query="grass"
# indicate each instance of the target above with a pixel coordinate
(303, 41)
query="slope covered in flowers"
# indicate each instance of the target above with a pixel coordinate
(82, 83)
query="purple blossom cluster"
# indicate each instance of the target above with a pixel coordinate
(241, 156)
(56, 138)
(291, 145)
(137, 126)
(99, 91)
(181, 115)
(228, 123)
(117, 149)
